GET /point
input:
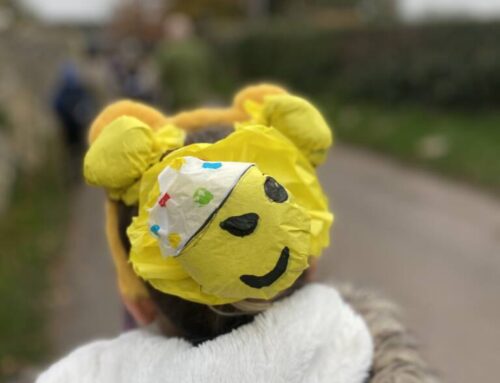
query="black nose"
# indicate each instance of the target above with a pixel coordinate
(240, 225)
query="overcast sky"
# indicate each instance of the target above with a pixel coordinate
(479, 9)
(95, 10)
(71, 10)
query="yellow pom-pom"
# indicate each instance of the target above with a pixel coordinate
(142, 112)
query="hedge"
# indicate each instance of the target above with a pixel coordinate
(447, 65)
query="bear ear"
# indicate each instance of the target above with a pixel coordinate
(146, 114)
(256, 94)
(119, 156)
(301, 122)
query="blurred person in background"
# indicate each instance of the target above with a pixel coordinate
(95, 69)
(184, 64)
(74, 105)
(134, 74)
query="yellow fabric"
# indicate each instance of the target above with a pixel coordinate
(215, 259)
(255, 93)
(129, 285)
(169, 137)
(294, 170)
(296, 118)
(144, 113)
(303, 224)
(198, 118)
(123, 151)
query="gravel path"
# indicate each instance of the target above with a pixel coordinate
(431, 245)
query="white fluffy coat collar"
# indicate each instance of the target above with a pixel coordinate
(312, 336)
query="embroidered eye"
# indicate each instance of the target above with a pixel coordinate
(241, 225)
(275, 191)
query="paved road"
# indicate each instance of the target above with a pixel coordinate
(86, 304)
(432, 246)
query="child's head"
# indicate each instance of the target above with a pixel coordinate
(193, 321)
(215, 232)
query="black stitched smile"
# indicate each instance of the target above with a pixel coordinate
(268, 279)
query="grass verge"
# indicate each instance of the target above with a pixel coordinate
(465, 145)
(31, 232)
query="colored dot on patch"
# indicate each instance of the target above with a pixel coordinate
(202, 196)
(163, 200)
(155, 229)
(174, 240)
(211, 165)
(177, 163)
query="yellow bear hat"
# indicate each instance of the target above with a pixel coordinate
(217, 223)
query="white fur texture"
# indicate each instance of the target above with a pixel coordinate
(312, 336)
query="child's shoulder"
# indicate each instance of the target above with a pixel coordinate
(103, 360)
(317, 331)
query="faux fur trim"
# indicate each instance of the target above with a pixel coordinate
(396, 356)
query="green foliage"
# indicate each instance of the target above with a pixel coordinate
(4, 121)
(455, 65)
(31, 233)
(463, 145)
(185, 70)
(198, 8)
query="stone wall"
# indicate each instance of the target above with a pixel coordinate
(29, 59)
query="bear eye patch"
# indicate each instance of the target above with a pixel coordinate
(241, 225)
(275, 191)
